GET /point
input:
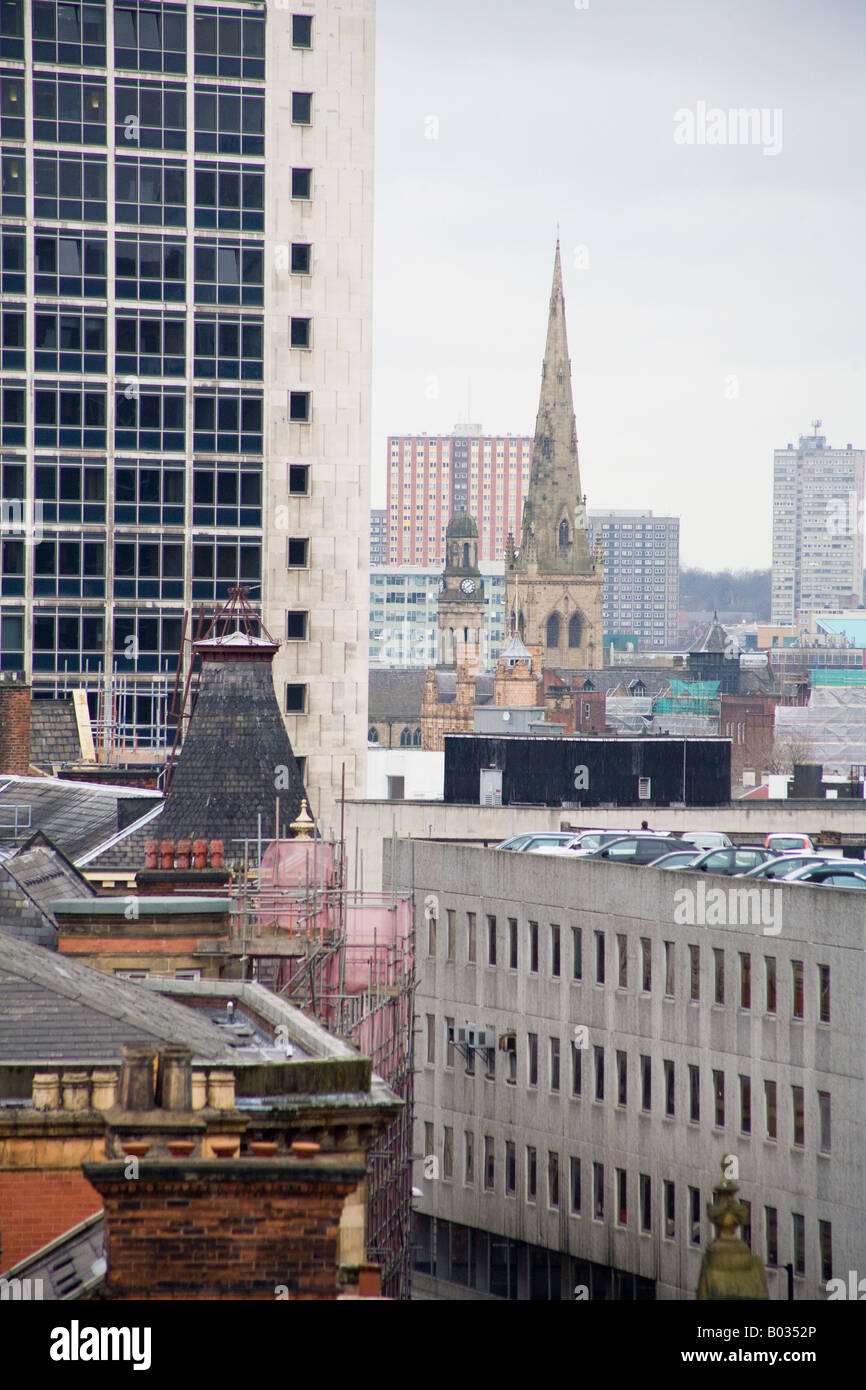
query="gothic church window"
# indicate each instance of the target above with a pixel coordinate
(563, 532)
(574, 631)
(553, 630)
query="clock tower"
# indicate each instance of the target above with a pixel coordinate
(461, 596)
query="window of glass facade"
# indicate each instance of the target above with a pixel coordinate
(150, 419)
(67, 635)
(229, 120)
(69, 340)
(72, 266)
(68, 110)
(147, 643)
(12, 123)
(13, 340)
(69, 417)
(148, 493)
(67, 33)
(230, 196)
(12, 29)
(228, 422)
(70, 491)
(69, 187)
(13, 184)
(226, 497)
(149, 115)
(150, 267)
(69, 568)
(219, 564)
(229, 44)
(150, 192)
(148, 569)
(150, 36)
(13, 263)
(227, 272)
(149, 344)
(229, 347)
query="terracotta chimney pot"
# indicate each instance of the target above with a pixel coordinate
(199, 854)
(216, 854)
(166, 849)
(184, 853)
(151, 854)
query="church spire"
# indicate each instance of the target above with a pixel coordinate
(554, 517)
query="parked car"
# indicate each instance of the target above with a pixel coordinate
(706, 839)
(838, 873)
(679, 859)
(635, 849)
(780, 840)
(736, 860)
(582, 843)
(784, 865)
(533, 838)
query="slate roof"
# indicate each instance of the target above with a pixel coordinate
(446, 688)
(30, 881)
(76, 816)
(236, 758)
(53, 734)
(714, 640)
(53, 1009)
(70, 1267)
(656, 678)
(395, 695)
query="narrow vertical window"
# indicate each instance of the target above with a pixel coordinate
(745, 980)
(694, 972)
(489, 1164)
(599, 957)
(646, 959)
(598, 1055)
(825, 1245)
(470, 936)
(719, 973)
(532, 1058)
(770, 969)
(824, 993)
(576, 1068)
(622, 960)
(622, 1078)
(449, 1042)
(798, 1224)
(553, 1180)
(469, 1157)
(719, 1097)
(694, 1216)
(431, 1038)
(451, 924)
(797, 988)
(824, 1138)
(531, 1174)
(510, 1168)
(646, 1083)
(745, 1105)
(575, 1186)
(533, 948)
(598, 1191)
(554, 1064)
(555, 968)
(669, 969)
(669, 1198)
(577, 953)
(512, 943)
(670, 1089)
(694, 1094)
(621, 1197)
(798, 1115)
(646, 1206)
(770, 1109)
(771, 1226)
(448, 1152)
(491, 940)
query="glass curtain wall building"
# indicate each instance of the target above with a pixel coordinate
(176, 183)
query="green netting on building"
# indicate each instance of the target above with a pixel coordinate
(666, 705)
(696, 690)
(838, 677)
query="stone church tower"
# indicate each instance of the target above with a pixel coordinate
(553, 584)
(461, 596)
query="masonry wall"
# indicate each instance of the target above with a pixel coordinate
(14, 727)
(39, 1204)
(663, 1023)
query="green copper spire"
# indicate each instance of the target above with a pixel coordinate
(554, 516)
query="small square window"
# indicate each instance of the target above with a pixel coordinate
(302, 183)
(302, 31)
(299, 479)
(296, 699)
(302, 108)
(300, 333)
(299, 406)
(296, 625)
(301, 257)
(299, 549)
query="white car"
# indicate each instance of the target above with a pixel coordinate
(530, 840)
(706, 839)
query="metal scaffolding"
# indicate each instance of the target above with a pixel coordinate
(346, 958)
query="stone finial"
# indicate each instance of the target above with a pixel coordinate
(729, 1270)
(303, 827)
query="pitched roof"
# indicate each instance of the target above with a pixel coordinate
(714, 640)
(71, 1266)
(395, 695)
(30, 881)
(54, 735)
(53, 1009)
(76, 816)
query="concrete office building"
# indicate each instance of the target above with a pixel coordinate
(186, 268)
(430, 477)
(404, 608)
(628, 1030)
(641, 574)
(817, 528)
(378, 536)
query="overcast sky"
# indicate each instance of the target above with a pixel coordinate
(714, 293)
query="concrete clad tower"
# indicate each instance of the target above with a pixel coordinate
(554, 584)
(461, 598)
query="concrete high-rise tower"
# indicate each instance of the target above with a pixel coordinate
(817, 528)
(554, 584)
(185, 264)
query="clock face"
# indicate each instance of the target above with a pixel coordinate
(468, 586)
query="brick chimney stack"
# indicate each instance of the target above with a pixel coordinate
(14, 724)
(197, 1206)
